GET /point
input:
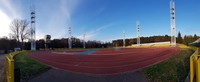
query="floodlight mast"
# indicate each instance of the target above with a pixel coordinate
(124, 43)
(173, 25)
(69, 38)
(138, 32)
(32, 20)
(83, 40)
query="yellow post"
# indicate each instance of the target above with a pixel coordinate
(191, 69)
(197, 51)
(195, 56)
(12, 70)
(6, 67)
(9, 68)
(197, 71)
(197, 66)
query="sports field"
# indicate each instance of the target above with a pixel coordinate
(103, 62)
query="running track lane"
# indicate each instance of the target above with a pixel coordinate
(131, 60)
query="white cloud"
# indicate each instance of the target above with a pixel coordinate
(93, 33)
(8, 12)
(4, 24)
(87, 36)
(63, 13)
(10, 8)
(62, 18)
(39, 34)
(67, 7)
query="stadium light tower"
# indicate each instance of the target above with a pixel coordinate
(32, 20)
(124, 43)
(138, 32)
(173, 25)
(69, 38)
(83, 40)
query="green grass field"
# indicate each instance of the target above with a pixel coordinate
(174, 69)
(28, 67)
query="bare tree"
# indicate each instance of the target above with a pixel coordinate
(20, 30)
(15, 29)
(24, 30)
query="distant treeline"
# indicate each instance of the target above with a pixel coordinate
(63, 43)
(9, 44)
(183, 40)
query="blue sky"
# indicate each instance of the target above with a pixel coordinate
(102, 20)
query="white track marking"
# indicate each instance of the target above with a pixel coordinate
(77, 64)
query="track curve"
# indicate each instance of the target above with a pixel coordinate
(105, 62)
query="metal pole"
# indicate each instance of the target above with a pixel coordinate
(33, 43)
(138, 32)
(173, 25)
(83, 40)
(69, 38)
(124, 43)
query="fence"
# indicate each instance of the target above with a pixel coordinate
(195, 66)
(9, 66)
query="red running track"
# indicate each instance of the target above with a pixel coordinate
(105, 62)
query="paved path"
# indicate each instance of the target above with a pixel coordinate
(2, 73)
(56, 75)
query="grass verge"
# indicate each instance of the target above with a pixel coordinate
(175, 69)
(28, 67)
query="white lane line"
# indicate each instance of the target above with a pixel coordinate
(77, 64)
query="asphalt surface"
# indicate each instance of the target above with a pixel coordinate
(56, 75)
(2, 73)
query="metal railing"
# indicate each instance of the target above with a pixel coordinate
(195, 66)
(9, 66)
